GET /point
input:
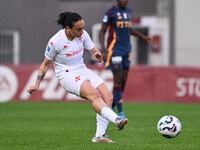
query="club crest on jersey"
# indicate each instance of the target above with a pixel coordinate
(77, 78)
(119, 16)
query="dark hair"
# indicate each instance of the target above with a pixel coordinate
(68, 19)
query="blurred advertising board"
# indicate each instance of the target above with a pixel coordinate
(145, 84)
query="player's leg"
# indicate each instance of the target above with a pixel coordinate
(113, 105)
(84, 83)
(106, 95)
(117, 91)
(126, 66)
(122, 79)
(101, 122)
(91, 94)
(116, 65)
(125, 75)
(78, 84)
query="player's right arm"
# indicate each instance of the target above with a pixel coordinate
(41, 73)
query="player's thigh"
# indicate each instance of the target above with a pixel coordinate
(126, 65)
(126, 61)
(117, 77)
(88, 92)
(125, 74)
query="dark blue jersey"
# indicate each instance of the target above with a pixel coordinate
(119, 24)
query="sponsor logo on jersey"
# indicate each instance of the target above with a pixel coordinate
(74, 53)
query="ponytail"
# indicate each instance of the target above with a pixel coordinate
(68, 19)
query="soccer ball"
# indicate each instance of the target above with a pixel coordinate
(169, 126)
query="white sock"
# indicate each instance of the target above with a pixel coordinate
(102, 124)
(108, 114)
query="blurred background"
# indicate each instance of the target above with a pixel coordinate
(170, 63)
(27, 25)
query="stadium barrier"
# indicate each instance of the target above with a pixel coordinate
(145, 84)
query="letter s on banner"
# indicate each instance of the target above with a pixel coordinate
(180, 84)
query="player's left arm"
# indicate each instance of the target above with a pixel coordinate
(41, 73)
(140, 35)
(96, 54)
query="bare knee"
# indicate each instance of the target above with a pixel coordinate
(88, 92)
(94, 95)
(106, 95)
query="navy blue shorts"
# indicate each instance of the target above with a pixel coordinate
(117, 63)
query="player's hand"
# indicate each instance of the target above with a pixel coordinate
(98, 57)
(31, 89)
(148, 39)
(104, 56)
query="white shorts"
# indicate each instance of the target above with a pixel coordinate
(73, 80)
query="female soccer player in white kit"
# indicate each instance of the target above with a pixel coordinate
(65, 51)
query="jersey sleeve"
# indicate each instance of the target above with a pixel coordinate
(107, 16)
(105, 19)
(87, 42)
(50, 51)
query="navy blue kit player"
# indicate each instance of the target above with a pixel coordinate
(117, 55)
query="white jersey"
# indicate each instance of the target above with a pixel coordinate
(65, 54)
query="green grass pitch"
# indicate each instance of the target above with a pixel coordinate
(71, 126)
